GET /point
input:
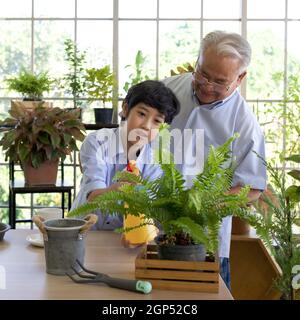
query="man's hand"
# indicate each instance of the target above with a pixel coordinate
(253, 194)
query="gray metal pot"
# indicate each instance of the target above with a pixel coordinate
(64, 241)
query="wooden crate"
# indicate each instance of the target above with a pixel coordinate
(176, 275)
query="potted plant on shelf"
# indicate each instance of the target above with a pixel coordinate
(38, 138)
(278, 214)
(100, 83)
(31, 86)
(74, 79)
(189, 217)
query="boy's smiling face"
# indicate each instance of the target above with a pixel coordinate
(143, 123)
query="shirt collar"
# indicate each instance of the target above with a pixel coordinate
(213, 105)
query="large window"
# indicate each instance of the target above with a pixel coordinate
(168, 34)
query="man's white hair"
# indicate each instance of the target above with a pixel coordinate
(228, 44)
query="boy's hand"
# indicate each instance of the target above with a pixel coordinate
(127, 243)
(116, 186)
(97, 192)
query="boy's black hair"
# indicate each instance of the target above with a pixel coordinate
(156, 95)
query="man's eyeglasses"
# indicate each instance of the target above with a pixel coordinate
(199, 78)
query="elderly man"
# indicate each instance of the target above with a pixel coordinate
(210, 101)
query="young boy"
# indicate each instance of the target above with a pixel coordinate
(106, 151)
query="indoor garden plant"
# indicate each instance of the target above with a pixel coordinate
(100, 83)
(137, 71)
(187, 216)
(74, 79)
(31, 86)
(278, 212)
(94, 84)
(38, 138)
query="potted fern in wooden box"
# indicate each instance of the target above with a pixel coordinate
(188, 217)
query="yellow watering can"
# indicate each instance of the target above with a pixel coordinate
(143, 234)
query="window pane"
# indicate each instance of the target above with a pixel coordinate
(268, 116)
(178, 43)
(265, 9)
(293, 47)
(94, 9)
(180, 9)
(15, 9)
(3, 212)
(54, 8)
(292, 117)
(137, 9)
(229, 26)
(220, 9)
(61, 103)
(267, 41)
(15, 50)
(294, 9)
(134, 36)
(49, 47)
(4, 107)
(99, 48)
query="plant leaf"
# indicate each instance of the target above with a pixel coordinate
(294, 158)
(293, 192)
(295, 174)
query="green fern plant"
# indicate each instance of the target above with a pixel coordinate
(30, 85)
(196, 212)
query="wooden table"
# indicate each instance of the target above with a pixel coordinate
(26, 278)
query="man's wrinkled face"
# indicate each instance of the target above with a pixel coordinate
(216, 76)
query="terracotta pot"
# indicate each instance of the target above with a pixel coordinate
(45, 174)
(239, 226)
(31, 105)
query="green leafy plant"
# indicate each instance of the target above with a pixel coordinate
(100, 84)
(278, 211)
(286, 115)
(137, 74)
(194, 214)
(41, 134)
(30, 85)
(74, 80)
